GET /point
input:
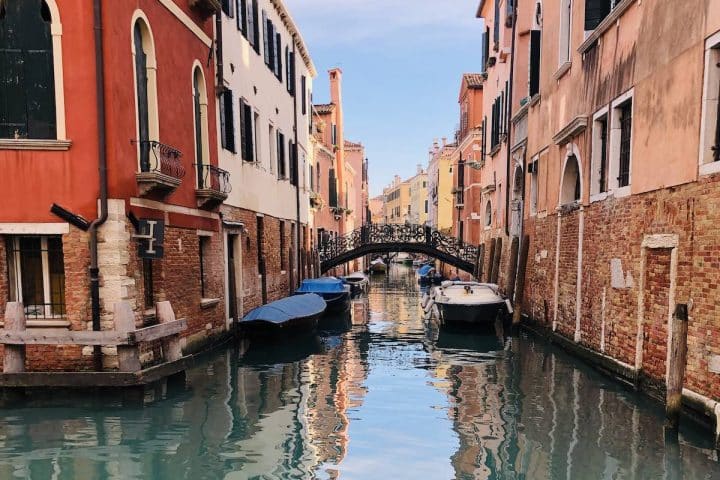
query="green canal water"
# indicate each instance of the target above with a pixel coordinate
(390, 398)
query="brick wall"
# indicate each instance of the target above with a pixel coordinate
(614, 230)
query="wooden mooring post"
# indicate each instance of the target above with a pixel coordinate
(678, 360)
(479, 262)
(128, 355)
(14, 355)
(520, 280)
(512, 268)
(496, 261)
(491, 260)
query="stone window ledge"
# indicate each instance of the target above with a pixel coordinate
(208, 302)
(562, 70)
(32, 144)
(605, 25)
(44, 323)
(709, 168)
(495, 150)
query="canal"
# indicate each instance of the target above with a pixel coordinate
(390, 397)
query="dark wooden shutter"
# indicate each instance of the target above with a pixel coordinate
(248, 133)
(303, 86)
(242, 15)
(27, 81)
(282, 173)
(535, 37)
(293, 160)
(266, 43)
(332, 185)
(227, 7)
(142, 99)
(595, 12)
(496, 27)
(243, 130)
(486, 48)
(255, 30)
(278, 57)
(228, 128)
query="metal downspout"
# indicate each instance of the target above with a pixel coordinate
(102, 167)
(296, 159)
(508, 116)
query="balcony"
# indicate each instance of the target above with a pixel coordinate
(161, 169)
(205, 7)
(213, 185)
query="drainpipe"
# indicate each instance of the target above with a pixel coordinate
(297, 167)
(508, 115)
(102, 167)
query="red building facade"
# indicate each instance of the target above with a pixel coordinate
(138, 104)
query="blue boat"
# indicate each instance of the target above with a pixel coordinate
(333, 290)
(296, 314)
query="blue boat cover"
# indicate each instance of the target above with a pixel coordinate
(423, 271)
(297, 306)
(322, 285)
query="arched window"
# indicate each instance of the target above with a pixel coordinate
(200, 106)
(27, 71)
(570, 188)
(145, 66)
(488, 213)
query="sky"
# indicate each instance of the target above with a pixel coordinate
(402, 61)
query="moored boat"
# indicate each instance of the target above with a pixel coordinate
(378, 266)
(292, 315)
(335, 293)
(469, 303)
(358, 282)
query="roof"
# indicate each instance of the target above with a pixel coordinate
(349, 144)
(479, 10)
(295, 32)
(324, 108)
(474, 80)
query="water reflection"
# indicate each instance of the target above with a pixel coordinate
(381, 394)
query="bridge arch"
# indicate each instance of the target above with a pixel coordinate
(388, 238)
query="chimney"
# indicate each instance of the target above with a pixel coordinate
(444, 141)
(419, 168)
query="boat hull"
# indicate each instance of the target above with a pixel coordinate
(378, 268)
(296, 326)
(475, 314)
(337, 303)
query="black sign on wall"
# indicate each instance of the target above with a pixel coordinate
(150, 238)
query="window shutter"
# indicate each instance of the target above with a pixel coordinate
(496, 27)
(228, 124)
(486, 48)
(595, 12)
(255, 30)
(332, 185)
(271, 45)
(243, 130)
(266, 43)
(303, 86)
(242, 14)
(278, 56)
(249, 135)
(535, 37)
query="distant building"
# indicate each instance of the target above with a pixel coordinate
(397, 201)
(376, 207)
(418, 213)
(440, 179)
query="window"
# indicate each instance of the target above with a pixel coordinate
(496, 27)
(247, 137)
(570, 189)
(242, 13)
(533, 171)
(600, 139)
(227, 124)
(426, 206)
(282, 171)
(596, 11)
(227, 7)
(252, 25)
(488, 213)
(27, 81)
(710, 124)
(303, 87)
(266, 50)
(36, 275)
(282, 245)
(278, 57)
(486, 49)
(202, 149)
(292, 163)
(318, 178)
(290, 70)
(534, 80)
(272, 143)
(255, 152)
(565, 31)
(203, 251)
(332, 186)
(625, 111)
(312, 180)
(333, 135)
(145, 92)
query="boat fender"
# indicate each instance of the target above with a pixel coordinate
(509, 306)
(429, 306)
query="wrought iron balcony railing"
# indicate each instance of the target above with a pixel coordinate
(161, 158)
(213, 178)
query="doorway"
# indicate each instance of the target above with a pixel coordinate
(232, 241)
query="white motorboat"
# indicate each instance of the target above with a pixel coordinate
(378, 266)
(469, 303)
